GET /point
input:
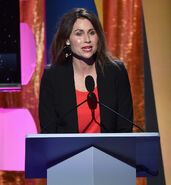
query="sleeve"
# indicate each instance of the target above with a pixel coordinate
(47, 115)
(125, 105)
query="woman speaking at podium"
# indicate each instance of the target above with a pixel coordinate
(81, 69)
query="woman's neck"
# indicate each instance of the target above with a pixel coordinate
(88, 61)
(81, 71)
(82, 68)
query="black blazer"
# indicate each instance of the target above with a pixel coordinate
(57, 97)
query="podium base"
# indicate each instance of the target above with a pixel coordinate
(91, 167)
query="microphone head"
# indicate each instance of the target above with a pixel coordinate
(92, 101)
(89, 83)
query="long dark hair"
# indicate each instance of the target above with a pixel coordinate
(64, 31)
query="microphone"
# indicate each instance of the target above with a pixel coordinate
(89, 83)
(91, 98)
(92, 101)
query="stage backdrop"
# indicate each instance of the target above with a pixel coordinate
(158, 27)
(122, 22)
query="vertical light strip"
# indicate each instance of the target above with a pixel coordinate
(99, 7)
(158, 28)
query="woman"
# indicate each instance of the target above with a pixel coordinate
(78, 50)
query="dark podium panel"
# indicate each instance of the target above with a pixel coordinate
(139, 150)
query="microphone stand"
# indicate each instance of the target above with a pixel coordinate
(92, 101)
(120, 115)
(93, 119)
(73, 108)
(92, 113)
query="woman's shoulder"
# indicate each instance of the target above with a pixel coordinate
(116, 65)
(116, 70)
(57, 69)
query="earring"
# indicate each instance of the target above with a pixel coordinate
(67, 51)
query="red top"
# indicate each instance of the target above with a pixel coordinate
(84, 114)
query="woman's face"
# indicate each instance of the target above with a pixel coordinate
(83, 38)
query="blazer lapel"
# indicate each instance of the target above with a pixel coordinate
(69, 99)
(101, 93)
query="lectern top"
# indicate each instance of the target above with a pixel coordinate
(147, 134)
(139, 150)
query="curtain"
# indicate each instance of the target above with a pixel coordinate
(122, 22)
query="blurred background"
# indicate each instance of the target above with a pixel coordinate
(137, 32)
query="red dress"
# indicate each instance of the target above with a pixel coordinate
(84, 114)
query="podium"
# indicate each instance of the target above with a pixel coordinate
(92, 159)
